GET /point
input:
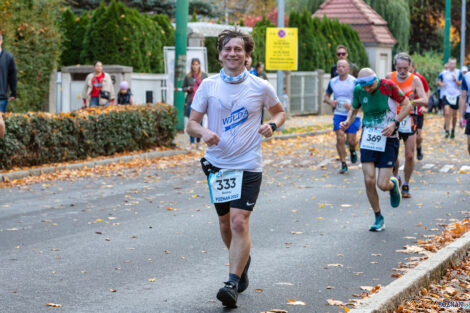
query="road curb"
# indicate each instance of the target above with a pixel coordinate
(90, 164)
(126, 158)
(409, 285)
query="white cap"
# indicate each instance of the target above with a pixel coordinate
(464, 69)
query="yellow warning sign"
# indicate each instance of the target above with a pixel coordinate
(281, 48)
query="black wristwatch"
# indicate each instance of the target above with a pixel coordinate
(397, 123)
(273, 126)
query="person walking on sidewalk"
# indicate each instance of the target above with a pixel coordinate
(233, 163)
(465, 108)
(342, 86)
(379, 143)
(413, 89)
(98, 89)
(450, 81)
(191, 83)
(8, 79)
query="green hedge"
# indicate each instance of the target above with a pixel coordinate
(41, 138)
(318, 39)
(429, 65)
(115, 34)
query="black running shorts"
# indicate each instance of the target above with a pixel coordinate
(419, 119)
(382, 159)
(251, 184)
(452, 106)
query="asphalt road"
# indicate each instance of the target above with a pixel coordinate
(147, 240)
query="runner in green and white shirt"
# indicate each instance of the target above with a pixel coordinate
(379, 145)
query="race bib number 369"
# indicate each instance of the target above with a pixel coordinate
(225, 185)
(372, 139)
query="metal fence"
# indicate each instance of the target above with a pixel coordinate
(304, 93)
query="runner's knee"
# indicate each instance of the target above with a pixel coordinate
(383, 185)
(239, 224)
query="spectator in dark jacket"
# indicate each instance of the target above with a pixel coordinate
(8, 79)
(125, 96)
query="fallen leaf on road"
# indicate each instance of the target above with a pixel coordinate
(334, 302)
(346, 205)
(366, 288)
(259, 290)
(171, 209)
(285, 284)
(152, 279)
(358, 273)
(330, 287)
(320, 218)
(295, 232)
(54, 305)
(334, 265)
(275, 311)
(376, 254)
(295, 302)
(112, 290)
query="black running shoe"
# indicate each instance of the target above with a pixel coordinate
(244, 282)
(228, 295)
(419, 154)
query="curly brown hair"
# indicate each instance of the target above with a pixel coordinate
(228, 34)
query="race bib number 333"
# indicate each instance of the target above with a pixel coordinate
(225, 185)
(372, 139)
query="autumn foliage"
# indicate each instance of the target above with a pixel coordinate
(41, 138)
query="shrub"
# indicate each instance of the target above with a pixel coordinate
(41, 138)
(119, 35)
(429, 65)
(318, 39)
(73, 30)
(31, 34)
(212, 54)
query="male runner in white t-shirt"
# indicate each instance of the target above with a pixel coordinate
(449, 81)
(233, 101)
(342, 86)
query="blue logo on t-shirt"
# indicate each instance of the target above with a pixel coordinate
(236, 118)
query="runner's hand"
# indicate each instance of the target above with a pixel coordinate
(334, 104)
(11, 98)
(347, 106)
(344, 125)
(462, 123)
(210, 138)
(266, 130)
(389, 129)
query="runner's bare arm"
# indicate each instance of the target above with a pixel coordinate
(278, 116)
(405, 110)
(327, 99)
(351, 117)
(195, 129)
(458, 82)
(463, 106)
(418, 89)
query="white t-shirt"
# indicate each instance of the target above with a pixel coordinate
(343, 92)
(466, 86)
(451, 88)
(234, 114)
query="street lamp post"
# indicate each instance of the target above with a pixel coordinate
(462, 34)
(280, 23)
(182, 10)
(447, 32)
